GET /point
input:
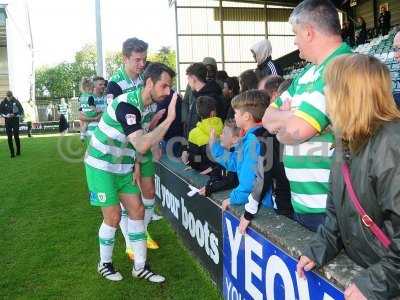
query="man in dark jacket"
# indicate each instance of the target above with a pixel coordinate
(197, 74)
(11, 109)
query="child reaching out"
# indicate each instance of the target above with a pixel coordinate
(249, 108)
(220, 178)
(196, 154)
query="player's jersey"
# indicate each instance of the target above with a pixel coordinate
(109, 149)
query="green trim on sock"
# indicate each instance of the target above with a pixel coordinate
(134, 237)
(106, 242)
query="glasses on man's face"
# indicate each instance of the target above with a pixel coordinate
(396, 49)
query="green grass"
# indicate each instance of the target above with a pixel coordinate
(49, 246)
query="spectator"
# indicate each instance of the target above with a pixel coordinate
(197, 74)
(221, 76)
(248, 81)
(220, 178)
(384, 20)
(271, 86)
(361, 31)
(348, 33)
(196, 154)
(284, 86)
(299, 116)
(366, 119)
(176, 129)
(212, 69)
(262, 51)
(11, 110)
(230, 90)
(187, 102)
(396, 50)
(87, 107)
(63, 110)
(49, 112)
(249, 107)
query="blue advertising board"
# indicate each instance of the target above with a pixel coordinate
(255, 268)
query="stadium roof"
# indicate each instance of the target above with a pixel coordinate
(288, 3)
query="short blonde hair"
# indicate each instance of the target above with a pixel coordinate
(359, 97)
(87, 85)
(253, 101)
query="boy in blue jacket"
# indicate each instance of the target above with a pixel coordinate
(249, 108)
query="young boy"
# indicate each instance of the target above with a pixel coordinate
(270, 85)
(221, 179)
(87, 104)
(196, 154)
(249, 108)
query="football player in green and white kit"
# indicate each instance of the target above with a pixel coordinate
(100, 102)
(128, 78)
(109, 164)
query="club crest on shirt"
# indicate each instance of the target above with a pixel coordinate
(102, 197)
(130, 119)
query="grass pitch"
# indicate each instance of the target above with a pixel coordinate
(49, 246)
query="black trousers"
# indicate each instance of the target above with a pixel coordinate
(12, 129)
(29, 124)
(63, 124)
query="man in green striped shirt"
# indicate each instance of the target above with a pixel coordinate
(126, 79)
(109, 163)
(299, 115)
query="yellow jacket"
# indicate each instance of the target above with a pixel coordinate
(201, 133)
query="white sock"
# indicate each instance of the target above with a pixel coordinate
(148, 210)
(137, 237)
(106, 241)
(123, 224)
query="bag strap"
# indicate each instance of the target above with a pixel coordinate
(367, 221)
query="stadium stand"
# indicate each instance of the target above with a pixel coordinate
(378, 46)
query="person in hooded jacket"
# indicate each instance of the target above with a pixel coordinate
(367, 126)
(196, 75)
(262, 52)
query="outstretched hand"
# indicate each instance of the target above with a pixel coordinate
(172, 108)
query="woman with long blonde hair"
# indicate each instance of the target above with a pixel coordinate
(366, 123)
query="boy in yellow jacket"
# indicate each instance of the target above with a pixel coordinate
(196, 154)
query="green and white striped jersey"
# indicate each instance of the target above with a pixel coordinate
(101, 104)
(63, 109)
(125, 82)
(308, 164)
(86, 106)
(109, 149)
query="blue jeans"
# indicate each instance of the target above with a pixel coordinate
(310, 221)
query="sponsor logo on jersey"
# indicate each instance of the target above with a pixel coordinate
(130, 119)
